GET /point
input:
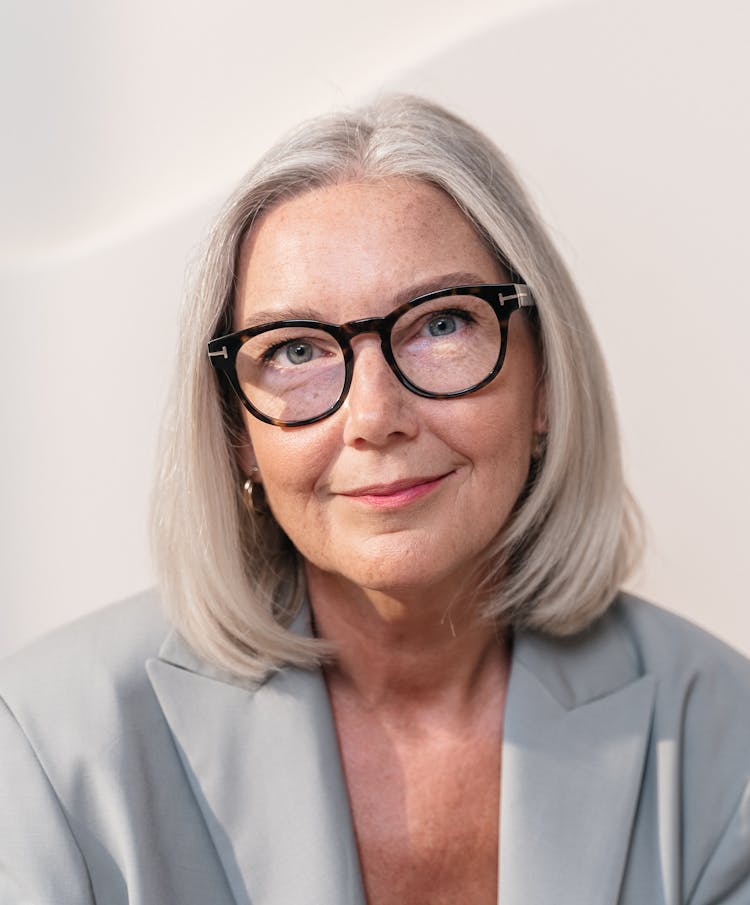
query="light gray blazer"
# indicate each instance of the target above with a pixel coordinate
(132, 772)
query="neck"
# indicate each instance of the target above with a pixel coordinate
(407, 651)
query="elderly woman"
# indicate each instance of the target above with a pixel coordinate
(391, 528)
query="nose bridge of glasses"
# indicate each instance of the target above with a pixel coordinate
(379, 325)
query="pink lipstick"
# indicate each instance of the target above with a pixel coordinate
(396, 494)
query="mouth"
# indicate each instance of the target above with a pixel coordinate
(396, 493)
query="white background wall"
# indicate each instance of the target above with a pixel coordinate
(125, 124)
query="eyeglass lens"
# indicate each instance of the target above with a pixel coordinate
(445, 345)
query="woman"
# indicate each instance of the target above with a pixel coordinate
(391, 527)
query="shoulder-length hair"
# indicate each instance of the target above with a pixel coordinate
(230, 577)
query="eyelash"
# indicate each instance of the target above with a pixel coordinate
(267, 356)
(461, 313)
(271, 351)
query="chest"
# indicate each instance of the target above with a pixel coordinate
(426, 813)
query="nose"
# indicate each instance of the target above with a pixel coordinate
(377, 409)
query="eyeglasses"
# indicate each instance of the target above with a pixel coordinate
(441, 345)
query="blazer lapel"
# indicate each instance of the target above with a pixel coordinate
(264, 766)
(576, 733)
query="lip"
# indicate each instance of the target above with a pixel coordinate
(396, 493)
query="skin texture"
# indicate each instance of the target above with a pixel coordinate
(347, 252)
(390, 501)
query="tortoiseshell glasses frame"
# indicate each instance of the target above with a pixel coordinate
(503, 299)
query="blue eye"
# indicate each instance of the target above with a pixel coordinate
(290, 351)
(298, 353)
(442, 325)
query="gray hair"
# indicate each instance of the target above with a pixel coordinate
(230, 577)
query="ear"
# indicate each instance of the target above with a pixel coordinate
(541, 422)
(246, 458)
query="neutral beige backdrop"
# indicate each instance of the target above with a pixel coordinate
(126, 123)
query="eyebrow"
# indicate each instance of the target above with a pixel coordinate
(423, 287)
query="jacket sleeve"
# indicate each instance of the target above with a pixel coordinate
(40, 863)
(725, 880)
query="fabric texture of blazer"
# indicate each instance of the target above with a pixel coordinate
(133, 772)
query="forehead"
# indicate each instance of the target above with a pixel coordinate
(354, 246)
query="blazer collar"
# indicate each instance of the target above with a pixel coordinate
(575, 738)
(264, 765)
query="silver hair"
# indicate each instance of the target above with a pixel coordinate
(230, 577)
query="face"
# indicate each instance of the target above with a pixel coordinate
(392, 492)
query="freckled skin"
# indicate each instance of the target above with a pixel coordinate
(346, 251)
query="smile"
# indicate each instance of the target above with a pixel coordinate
(396, 494)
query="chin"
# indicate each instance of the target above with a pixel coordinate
(403, 571)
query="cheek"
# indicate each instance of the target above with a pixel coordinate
(498, 425)
(496, 439)
(290, 463)
(505, 458)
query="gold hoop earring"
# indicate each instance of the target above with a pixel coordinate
(253, 493)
